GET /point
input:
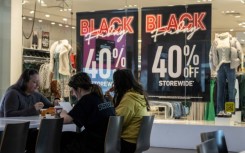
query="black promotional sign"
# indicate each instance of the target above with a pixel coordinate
(175, 52)
(107, 40)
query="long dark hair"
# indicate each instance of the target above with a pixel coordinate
(25, 78)
(123, 81)
(82, 80)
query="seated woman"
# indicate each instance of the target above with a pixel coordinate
(22, 98)
(90, 112)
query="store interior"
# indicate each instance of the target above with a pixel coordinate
(58, 17)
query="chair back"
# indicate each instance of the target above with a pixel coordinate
(219, 139)
(113, 134)
(14, 138)
(49, 136)
(208, 146)
(143, 140)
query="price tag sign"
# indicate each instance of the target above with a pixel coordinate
(175, 52)
(229, 107)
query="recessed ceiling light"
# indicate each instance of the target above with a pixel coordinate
(231, 29)
(242, 1)
(40, 20)
(23, 17)
(64, 19)
(30, 19)
(70, 10)
(31, 12)
(60, 25)
(53, 23)
(242, 40)
(66, 26)
(135, 5)
(61, 10)
(237, 16)
(240, 24)
(73, 27)
(47, 15)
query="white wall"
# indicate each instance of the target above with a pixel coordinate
(56, 33)
(10, 42)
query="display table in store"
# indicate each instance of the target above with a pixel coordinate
(34, 122)
(186, 134)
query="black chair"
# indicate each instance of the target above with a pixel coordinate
(219, 137)
(209, 146)
(14, 138)
(113, 134)
(143, 140)
(49, 136)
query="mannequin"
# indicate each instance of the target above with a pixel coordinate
(60, 66)
(225, 56)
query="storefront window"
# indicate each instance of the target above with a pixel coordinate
(165, 43)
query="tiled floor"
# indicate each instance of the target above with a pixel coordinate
(169, 150)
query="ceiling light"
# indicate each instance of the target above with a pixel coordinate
(60, 25)
(31, 12)
(24, 2)
(242, 1)
(47, 15)
(135, 5)
(199, 1)
(53, 23)
(61, 10)
(130, 5)
(73, 27)
(65, 10)
(243, 26)
(237, 16)
(66, 26)
(240, 24)
(231, 29)
(64, 19)
(23, 17)
(242, 40)
(30, 19)
(40, 20)
(70, 10)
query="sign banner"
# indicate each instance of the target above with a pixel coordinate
(45, 40)
(175, 52)
(107, 40)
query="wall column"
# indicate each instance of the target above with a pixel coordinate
(10, 42)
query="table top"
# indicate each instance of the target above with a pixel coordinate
(34, 122)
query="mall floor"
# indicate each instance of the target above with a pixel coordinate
(169, 150)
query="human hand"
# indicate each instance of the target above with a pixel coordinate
(38, 105)
(108, 94)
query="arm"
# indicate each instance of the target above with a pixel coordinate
(67, 117)
(45, 101)
(12, 105)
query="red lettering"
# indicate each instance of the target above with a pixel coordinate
(103, 26)
(91, 25)
(127, 24)
(187, 20)
(150, 23)
(198, 20)
(84, 27)
(117, 22)
(172, 22)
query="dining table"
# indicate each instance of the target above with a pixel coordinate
(34, 122)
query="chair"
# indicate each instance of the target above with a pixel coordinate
(143, 140)
(219, 138)
(113, 134)
(14, 138)
(49, 135)
(209, 146)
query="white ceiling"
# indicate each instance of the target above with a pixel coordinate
(220, 21)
